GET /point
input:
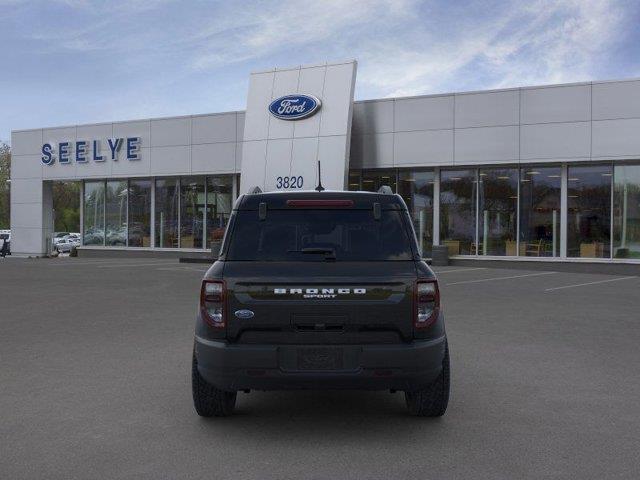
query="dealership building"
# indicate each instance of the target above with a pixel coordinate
(535, 173)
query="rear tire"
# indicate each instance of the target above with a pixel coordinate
(208, 400)
(433, 400)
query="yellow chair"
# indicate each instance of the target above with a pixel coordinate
(453, 246)
(534, 249)
(592, 250)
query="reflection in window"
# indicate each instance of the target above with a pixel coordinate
(417, 190)
(374, 179)
(93, 213)
(354, 180)
(458, 211)
(589, 211)
(626, 207)
(343, 234)
(540, 189)
(498, 211)
(219, 205)
(139, 213)
(192, 207)
(166, 221)
(116, 213)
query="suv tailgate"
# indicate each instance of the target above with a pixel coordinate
(320, 302)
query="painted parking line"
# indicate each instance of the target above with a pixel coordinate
(182, 269)
(128, 265)
(589, 283)
(460, 270)
(501, 278)
(67, 263)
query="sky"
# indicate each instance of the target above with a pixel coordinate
(65, 62)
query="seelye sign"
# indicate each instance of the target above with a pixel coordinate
(294, 107)
(82, 151)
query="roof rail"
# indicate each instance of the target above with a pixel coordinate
(386, 190)
(255, 189)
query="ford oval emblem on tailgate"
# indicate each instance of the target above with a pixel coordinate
(244, 313)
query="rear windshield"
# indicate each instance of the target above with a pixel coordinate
(319, 235)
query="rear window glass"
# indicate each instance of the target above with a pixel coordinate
(317, 235)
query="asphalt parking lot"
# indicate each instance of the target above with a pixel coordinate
(95, 383)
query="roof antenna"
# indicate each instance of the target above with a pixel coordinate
(319, 188)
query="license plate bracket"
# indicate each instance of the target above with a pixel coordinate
(320, 358)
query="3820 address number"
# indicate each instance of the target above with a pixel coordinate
(290, 182)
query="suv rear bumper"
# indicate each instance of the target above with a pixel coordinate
(411, 366)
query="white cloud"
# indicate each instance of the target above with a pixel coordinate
(547, 42)
(257, 31)
(568, 48)
(404, 47)
(409, 47)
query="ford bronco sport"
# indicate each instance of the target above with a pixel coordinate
(320, 290)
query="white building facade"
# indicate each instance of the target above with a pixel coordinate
(536, 173)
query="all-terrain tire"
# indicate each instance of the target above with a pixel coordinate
(433, 400)
(207, 399)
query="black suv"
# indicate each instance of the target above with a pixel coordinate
(320, 290)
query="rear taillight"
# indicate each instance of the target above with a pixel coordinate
(212, 302)
(427, 303)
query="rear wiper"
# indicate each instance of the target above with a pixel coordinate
(329, 253)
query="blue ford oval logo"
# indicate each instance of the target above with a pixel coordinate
(244, 313)
(294, 107)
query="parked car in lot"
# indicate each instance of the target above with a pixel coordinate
(320, 290)
(117, 236)
(57, 236)
(5, 242)
(65, 245)
(94, 236)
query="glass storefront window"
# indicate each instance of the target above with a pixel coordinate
(93, 213)
(219, 205)
(372, 180)
(458, 211)
(354, 180)
(626, 207)
(540, 193)
(589, 211)
(116, 213)
(192, 206)
(166, 213)
(479, 212)
(498, 207)
(139, 230)
(417, 190)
